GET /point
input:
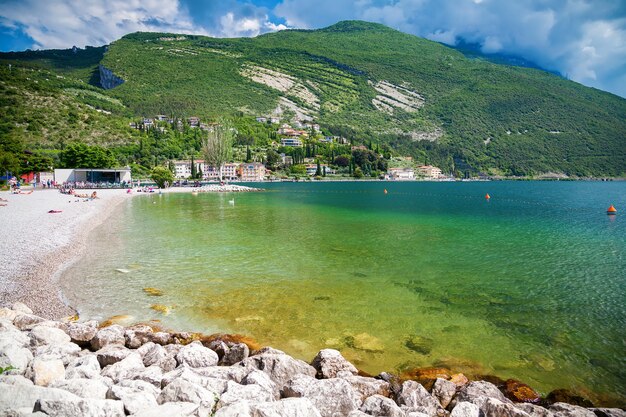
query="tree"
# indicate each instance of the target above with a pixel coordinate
(342, 160)
(318, 171)
(162, 176)
(272, 158)
(358, 173)
(218, 145)
(248, 154)
(80, 155)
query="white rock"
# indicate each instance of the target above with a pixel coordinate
(44, 335)
(497, 408)
(330, 396)
(329, 362)
(8, 314)
(111, 354)
(263, 380)
(42, 372)
(25, 396)
(82, 333)
(83, 367)
(536, 410)
(124, 369)
(137, 335)
(15, 380)
(111, 335)
(66, 352)
(236, 353)
(377, 405)
(196, 356)
(27, 321)
(477, 392)
(237, 392)
(415, 396)
(568, 410)
(301, 407)
(609, 412)
(184, 391)
(465, 409)
(17, 357)
(81, 407)
(444, 391)
(19, 307)
(151, 353)
(238, 409)
(280, 367)
(178, 409)
(191, 375)
(367, 387)
(84, 388)
(152, 375)
(136, 395)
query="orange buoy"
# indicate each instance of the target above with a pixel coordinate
(385, 191)
(487, 197)
(611, 210)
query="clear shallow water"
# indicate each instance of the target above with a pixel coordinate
(529, 285)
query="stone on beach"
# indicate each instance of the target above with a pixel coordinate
(196, 355)
(377, 405)
(44, 335)
(82, 333)
(82, 387)
(444, 391)
(329, 362)
(235, 353)
(80, 407)
(279, 366)
(330, 396)
(43, 372)
(111, 335)
(415, 397)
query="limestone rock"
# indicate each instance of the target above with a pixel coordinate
(66, 352)
(569, 410)
(19, 307)
(566, 396)
(477, 392)
(152, 354)
(519, 392)
(44, 335)
(196, 356)
(609, 412)
(83, 367)
(367, 387)
(161, 338)
(180, 390)
(173, 409)
(263, 380)
(535, 410)
(8, 314)
(82, 333)
(125, 368)
(152, 375)
(226, 373)
(377, 405)
(235, 353)
(301, 407)
(330, 396)
(111, 354)
(459, 379)
(415, 396)
(135, 395)
(15, 356)
(236, 392)
(359, 413)
(111, 335)
(15, 380)
(25, 396)
(238, 409)
(27, 321)
(80, 407)
(84, 388)
(190, 375)
(42, 371)
(496, 408)
(137, 335)
(280, 367)
(465, 409)
(444, 391)
(329, 362)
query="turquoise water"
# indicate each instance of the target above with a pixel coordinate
(530, 284)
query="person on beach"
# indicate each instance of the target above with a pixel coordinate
(94, 195)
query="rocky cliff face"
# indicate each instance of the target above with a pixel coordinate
(108, 80)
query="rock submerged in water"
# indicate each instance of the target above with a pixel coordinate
(519, 392)
(365, 342)
(161, 308)
(153, 292)
(420, 344)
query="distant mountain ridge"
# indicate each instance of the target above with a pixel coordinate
(367, 82)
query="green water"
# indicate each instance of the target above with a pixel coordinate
(529, 285)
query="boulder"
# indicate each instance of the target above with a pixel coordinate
(226, 373)
(80, 407)
(459, 379)
(377, 405)
(359, 413)
(42, 372)
(477, 392)
(465, 409)
(152, 354)
(427, 376)
(196, 356)
(84, 388)
(279, 366)
(66, 352)
(496, 408)
(263, 380)
(161, 338)
(534, 410)
(329, 362)
(25, 396)
(15, 356)
(8, 314)
(112, 335)
(173, 409)
(152, 375)
(27, 321)
(137, 335)
(135, 395)
(367, 387)
(19, 307)
(238, 409)
(235, 353)
(15, 379)
(415, 396)
(83, 367)
(44, 335)
(444, 391)
(125, 368)
(567, 396)
(330, 396)
(236, 392)
(190, 375)
(111, 354)
(519, 392)
(570, 410)
(301, 407)
(180, 390)
(82, 333)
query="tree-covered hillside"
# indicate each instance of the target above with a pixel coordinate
(366, 82)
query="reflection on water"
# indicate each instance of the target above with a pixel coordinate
(528, 285)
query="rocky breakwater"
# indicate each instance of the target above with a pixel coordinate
(66, 368)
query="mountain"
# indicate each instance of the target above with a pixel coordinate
(364, 81)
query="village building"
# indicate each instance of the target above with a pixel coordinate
(182, 168)
(193, 121)
(261, 119)
(85, 176)
(254, 171)
(296, 143)
(311, 169)
(161, 117)
(401, 174)
(274, 120)
(430, 172)
(286, 160)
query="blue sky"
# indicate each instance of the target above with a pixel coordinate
(582, 39)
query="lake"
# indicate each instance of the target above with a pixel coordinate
(530, 284)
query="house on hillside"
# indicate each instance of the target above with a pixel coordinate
(254, 171)
(296, 143)
(401, 174)
(182, 168)
(430, 172)
(193, 121)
